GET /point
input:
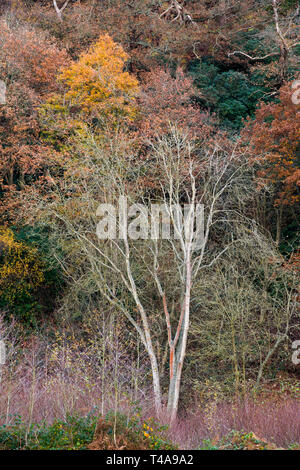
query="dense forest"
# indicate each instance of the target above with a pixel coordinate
(149, 224)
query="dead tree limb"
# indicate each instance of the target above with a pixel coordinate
(181, 14)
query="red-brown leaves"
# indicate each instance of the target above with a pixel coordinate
(29, 64)
(166, 100)
(275, 136)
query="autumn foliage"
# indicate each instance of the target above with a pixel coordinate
(97, 84)
(29, 64)
(21, 270)
(275, 136)
(172, 104)
(167, 99)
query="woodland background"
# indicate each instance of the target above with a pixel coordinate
(109, 97)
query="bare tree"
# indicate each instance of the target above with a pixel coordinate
(130, 271)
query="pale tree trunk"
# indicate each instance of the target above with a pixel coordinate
(143, 331)
(156, 383)
(147, 334)
(284, 50)
(177, 345)
(60, 10)
(177, 355)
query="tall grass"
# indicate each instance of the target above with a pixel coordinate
(49, 381)
(275, 421)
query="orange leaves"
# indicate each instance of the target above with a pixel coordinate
(98, 84)
(275, 136)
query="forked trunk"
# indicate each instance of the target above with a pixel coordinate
(177, 357)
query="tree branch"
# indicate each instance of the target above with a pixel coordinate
(60, 10)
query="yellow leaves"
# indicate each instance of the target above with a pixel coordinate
(97, 92)
(20, 269)
(98, 83)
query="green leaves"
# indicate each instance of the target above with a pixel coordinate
(231, 94)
